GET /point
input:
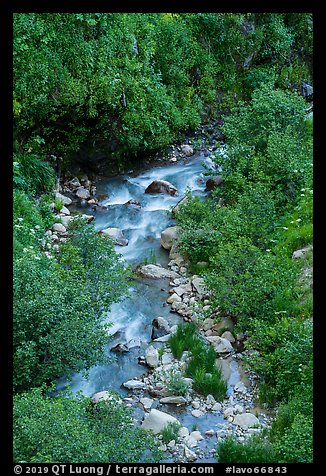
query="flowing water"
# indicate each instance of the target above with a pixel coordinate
(132, 318)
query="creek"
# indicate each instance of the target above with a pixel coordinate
(132, 318)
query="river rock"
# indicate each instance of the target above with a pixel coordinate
(177, 400)
(216, 407)
(183, 432)
(174, 297)
(197, 413)
(64, 210)
(168, 236)
(175, 210)
(74, 183)
(151, 356)
(160, 327)
(133, 202)
(105, 396)
(222, 346)
(116, 236)
(146, 402)
(246, 420)
(82, 193)
(120, 348)
(229, 336)
(59, 228)
(161, 186)
(189, 455)
(153, 271)
(65, 200)
(199, 286)
(66, 219)
(187, 150)
(157, 420)
(214, 182)
(300, 253)
(134, 384)
(196, 435)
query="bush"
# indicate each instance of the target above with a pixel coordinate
(170, 431)
(176, 384)
(255, 450)
(65, 429)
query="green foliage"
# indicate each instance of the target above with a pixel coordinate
(67, 93)
(170, 431)
(59, 304)
(65, 429)
(185, 338)
(285, 359)
(32, 174)
(176, 384)
(254, 450)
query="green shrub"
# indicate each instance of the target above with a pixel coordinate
(255, 450)
(185, 338)
(66, 429)
(170, 431)
(176, 384)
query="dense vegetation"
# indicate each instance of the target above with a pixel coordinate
(113, 86)
(246, 233)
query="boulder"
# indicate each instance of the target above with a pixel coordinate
(66, 220)
(146, 402)
(246, 420)
(222, 346)
(160, 327)
(168, 236)
(300, 253)
(59, 228)
(133, 202)
(116, 235)
(189, 455)
(157, 420)
(229, 336)
(82, 193)
(105, 396)
(199, 286)
(161, 186)
(175, 210)
(187, 150)
(120, 348)
(177, 400)
(214, 182)
(134, 384)
(64, 210)
(153, 271)
(151, 356)
(74, 183)
(65, 200)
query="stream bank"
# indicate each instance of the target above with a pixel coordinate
(173, 296)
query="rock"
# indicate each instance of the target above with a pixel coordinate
(210, 400)
(229, 336)
(173, 298)
(208, 324)
(161, 186)
(210, 432)
(102, 396)
(168, 236)
(59, 228)
(197, 413)
(183, 432)
(151, 356)
(300, 253)
(246, 420)
(216, 407)
(187, 150)
(146, 402)
(240, 387)
(225, 323)
(222, 346)
(74, 183)
(191, 442)
(160, 327)
(307, 91)
(196, 435)
(189, 455)
(167, 358)
(134, 384)
(157, 420)
(213, 183)
(178, 400)
(224, 365)
(133, 202)
(82, 193)
(239, 408)
(199, 286)
(66, 220)
(88, 218)
(120, 348)
(65, 200)
(153, 271)
(64, 210)
(116, 236)
(92, 201)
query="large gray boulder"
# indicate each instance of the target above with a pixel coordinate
(65, 200)
(83, 193)
(168, 236)
(134, 384)
(157, 420)
(161, 186)
(153, 271)
(246, 420)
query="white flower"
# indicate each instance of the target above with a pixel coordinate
(301, 194)
(298, 219)
(20, 219)
(285, 228)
